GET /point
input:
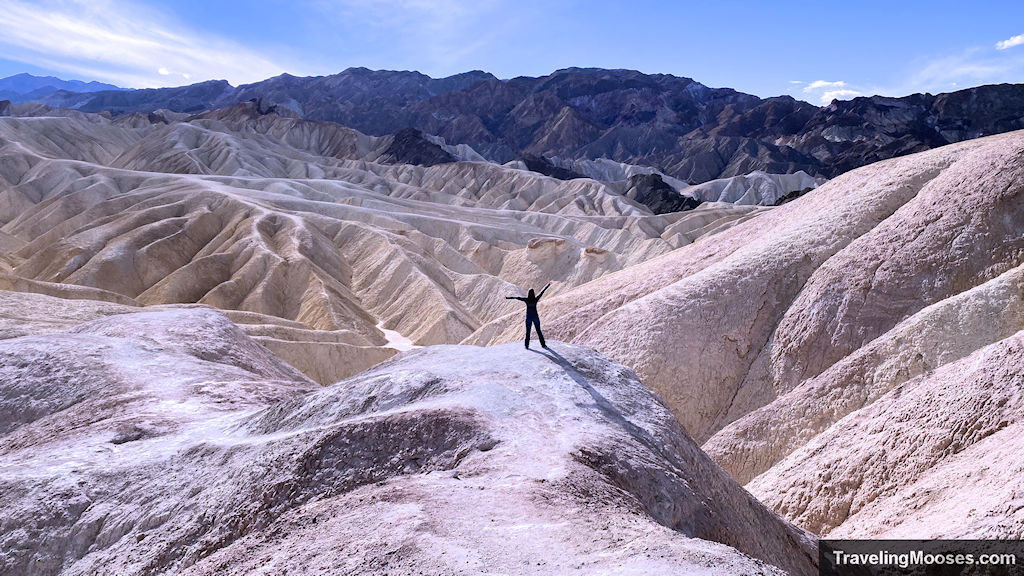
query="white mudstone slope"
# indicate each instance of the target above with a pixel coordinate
(166, 441)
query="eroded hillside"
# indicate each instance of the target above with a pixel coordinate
(312, 235)
(853, 354)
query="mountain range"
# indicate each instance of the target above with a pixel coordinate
(677, 125)
(28, 88)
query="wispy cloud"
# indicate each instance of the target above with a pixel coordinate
(821, 84)
(827, 91)
(1010, 42)
(122, 42)
(830, 95)
(972, 66)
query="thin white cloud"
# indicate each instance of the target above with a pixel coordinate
(971, 67)
(827, 91)
(956, 70)
(823, 84)
(122, 42)
(830, 95)
(1010, 42)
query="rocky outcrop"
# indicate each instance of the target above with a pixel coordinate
(409, 146)
(756, 188)
(542, 165)
(698, 323)
(662, 193)
(651, 191)
(867, 129)
(193, 451)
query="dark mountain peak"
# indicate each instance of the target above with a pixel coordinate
(249, 110)
(363, 72)
(542, 165)
(623, 74)
(477, 74)
(684, 128)
(193, 98)
(462, 81)
(652, 191)
(279, 80)
(409, 146)
(218, 83)
(597, 71)
(578, 71)
(357, 70)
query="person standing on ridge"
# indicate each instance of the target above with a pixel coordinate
(531, 313)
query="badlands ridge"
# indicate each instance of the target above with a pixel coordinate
(179, 288)
(852, 356)
(299, 231)
(194, 450)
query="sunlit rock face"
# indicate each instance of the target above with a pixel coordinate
(851, 355)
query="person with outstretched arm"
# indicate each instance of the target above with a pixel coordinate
(531, 313)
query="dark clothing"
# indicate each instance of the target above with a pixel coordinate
(535, 320)
(532, 317)
(531, 304)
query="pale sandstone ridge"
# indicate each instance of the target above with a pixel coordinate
(300, 224)
(168, 442)
(838, 305)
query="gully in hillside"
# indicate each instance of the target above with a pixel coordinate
(532, 318)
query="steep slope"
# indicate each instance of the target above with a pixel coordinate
(917, 448)
(681, 127)
(829, 307)
(195, 451)
(942, 333)
(698, 324)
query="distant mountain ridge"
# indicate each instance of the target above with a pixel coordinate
(682, 127)
(28, 88)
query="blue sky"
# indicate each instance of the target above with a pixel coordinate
(812, 50)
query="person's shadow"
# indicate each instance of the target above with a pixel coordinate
(608, 409)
